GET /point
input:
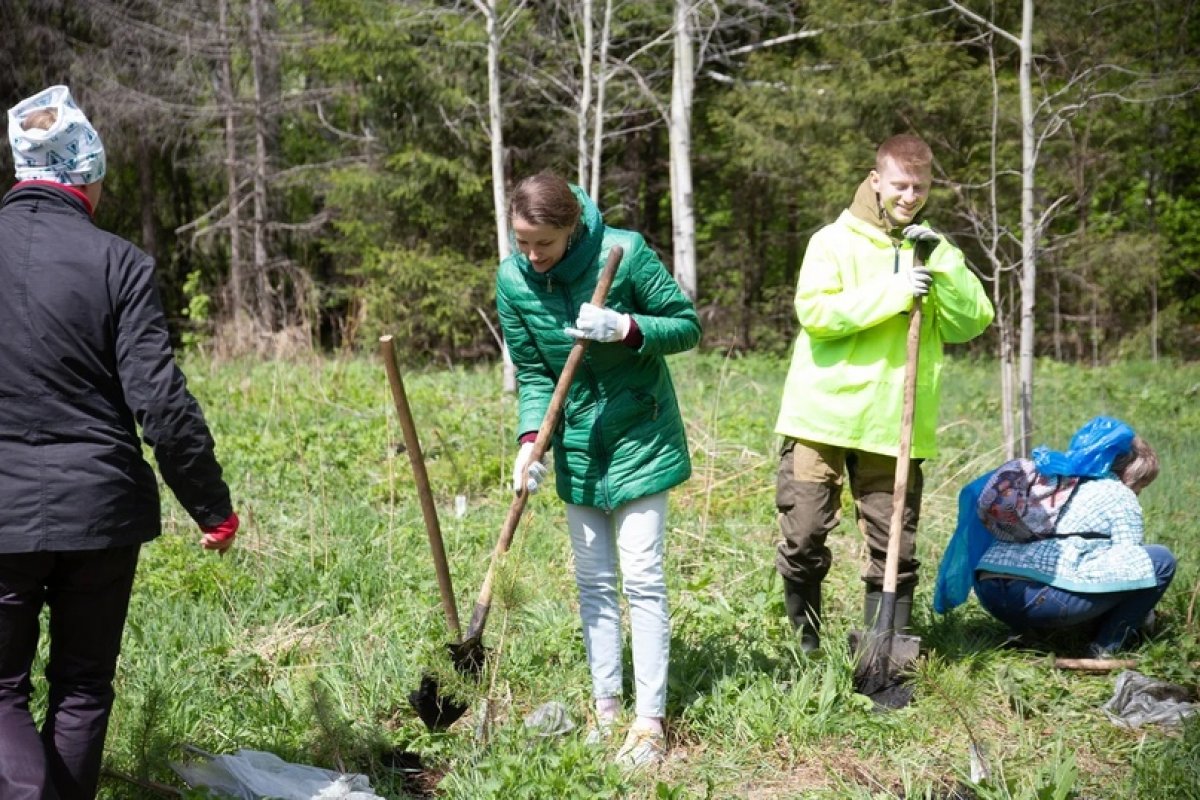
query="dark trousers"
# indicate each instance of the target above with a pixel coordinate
(87, 593)
(808, 497)
(1028, 605)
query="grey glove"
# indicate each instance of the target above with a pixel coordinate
(918, 279)
(921, 233)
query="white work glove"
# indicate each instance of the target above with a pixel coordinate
(600, 324)
(919, 279)
(921, 233)
(536, 470)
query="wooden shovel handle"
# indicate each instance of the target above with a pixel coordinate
(1095, 664)
(549, 421)
(428, 510)
(1103, 664)
(900, 488)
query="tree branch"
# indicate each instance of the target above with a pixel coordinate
(971, 15)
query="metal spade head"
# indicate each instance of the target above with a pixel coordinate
(437, 712)
(884, 659)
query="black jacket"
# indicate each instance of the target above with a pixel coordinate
(84, 360)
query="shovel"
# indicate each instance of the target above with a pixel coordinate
(883, 656)
(469, 654)
(472, 646)
(437, 713)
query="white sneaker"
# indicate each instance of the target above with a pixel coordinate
(642, 748)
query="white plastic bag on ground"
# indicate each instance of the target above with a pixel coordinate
(1138, 700)
(253, 774)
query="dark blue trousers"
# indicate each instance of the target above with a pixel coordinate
(1026, 605)
(87, 593)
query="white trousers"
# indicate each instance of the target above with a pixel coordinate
(632, 537)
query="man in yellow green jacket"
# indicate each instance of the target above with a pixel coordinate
(842, 401)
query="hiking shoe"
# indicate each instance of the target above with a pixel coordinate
(642, 748)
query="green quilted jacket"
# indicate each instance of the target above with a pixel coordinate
(621, 436)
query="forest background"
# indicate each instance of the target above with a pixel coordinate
(309, 173)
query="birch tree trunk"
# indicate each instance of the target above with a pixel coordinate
(1029, 233)
(496, 126)
(585, 96)
(1003, 319)
(598, 113)
(496, 135)
(680, 129)
(1029, 227)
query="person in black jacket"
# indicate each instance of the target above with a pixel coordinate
(85, 360)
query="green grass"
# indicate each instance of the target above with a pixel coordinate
(306, 639)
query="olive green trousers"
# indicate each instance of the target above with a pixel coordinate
(808, 497)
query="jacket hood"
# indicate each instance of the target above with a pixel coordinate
(867, 230)
(865, 207)
(582, 250)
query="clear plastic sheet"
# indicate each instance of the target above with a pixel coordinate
(253, 774)
(1138, 700)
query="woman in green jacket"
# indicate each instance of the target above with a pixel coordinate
(621, 443)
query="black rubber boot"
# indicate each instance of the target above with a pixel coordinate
(803, 603)
(904, 601)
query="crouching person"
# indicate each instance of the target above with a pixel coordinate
(1094, 572)
(1054, 543)
(85, 360)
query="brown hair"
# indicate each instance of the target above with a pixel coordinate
(1138, 468)
(545, 199)
(43, 118)
(908, 151)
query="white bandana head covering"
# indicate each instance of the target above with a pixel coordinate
(69, 152)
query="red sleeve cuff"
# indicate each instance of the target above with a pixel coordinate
(635, 338)
(527, 437)
(225, 530)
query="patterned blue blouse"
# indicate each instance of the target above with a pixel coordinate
(1116, 563)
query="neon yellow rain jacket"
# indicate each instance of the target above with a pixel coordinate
(845, 386)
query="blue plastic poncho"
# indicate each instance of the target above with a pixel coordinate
(1091, 453)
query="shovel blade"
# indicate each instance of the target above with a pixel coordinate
(884, 659)
(436, 711)
(905, 650)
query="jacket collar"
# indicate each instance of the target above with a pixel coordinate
(583, 250)
(865, 206)
(48, 191)
(861, 226)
